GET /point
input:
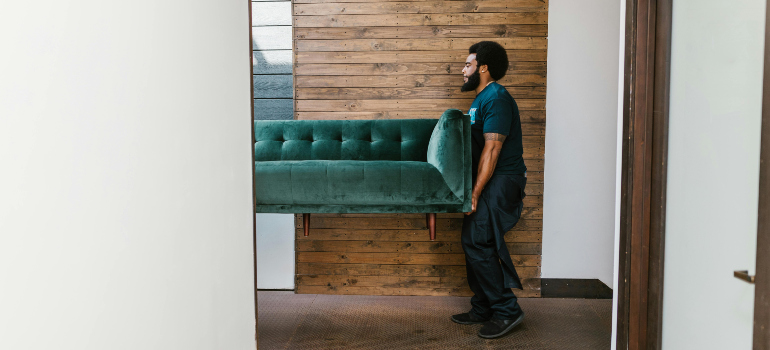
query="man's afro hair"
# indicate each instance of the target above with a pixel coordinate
(493, 55)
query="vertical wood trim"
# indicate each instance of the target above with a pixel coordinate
(640, 175)
(253, 189)
(660, 112)
(643, 179)
(762, 279)
(624, 244)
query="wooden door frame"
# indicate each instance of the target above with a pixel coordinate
(647, 68)
(644, 157)
(762, 277)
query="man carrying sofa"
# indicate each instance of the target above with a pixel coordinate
(498, 189)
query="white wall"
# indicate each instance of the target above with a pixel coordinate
(618, 170)
(581, 139)
(125, 190)
(713, 172)
(275, 251)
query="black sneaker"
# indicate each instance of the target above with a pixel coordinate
(467, 318)
(497, 328)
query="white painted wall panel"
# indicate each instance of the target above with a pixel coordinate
(125, 191)
(271, 13)
(713, 172)
(581, 139)
(271, 38)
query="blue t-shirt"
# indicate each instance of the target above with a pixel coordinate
(495, 111)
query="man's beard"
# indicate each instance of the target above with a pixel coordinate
(473, 82)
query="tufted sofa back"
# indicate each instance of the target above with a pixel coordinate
(393, 139)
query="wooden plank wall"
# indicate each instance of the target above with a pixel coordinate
(272, 43)
(369, 59)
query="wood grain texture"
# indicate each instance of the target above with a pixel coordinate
(367, 59)
(521, 43)
(426, 68)
(381, 290)
(415, 104)
(402, 258)
(397, 270)
(453, 221)
(389, 20)
(492, 32)
(420, 80)
(415, 56)
(534, 165)
(408, 235)
(446, 224)
(399, 282)
(392, 281)
(408, 247)
(526, 116)
(527, 213)
(365, 1)
(642, 213)
(421, 7)
(518, 92)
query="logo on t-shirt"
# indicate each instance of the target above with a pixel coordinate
(472, 112)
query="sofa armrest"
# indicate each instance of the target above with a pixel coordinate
(449, 150)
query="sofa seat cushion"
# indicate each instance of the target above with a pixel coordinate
(340, 182)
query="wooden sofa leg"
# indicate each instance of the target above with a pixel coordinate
(306, 223)
(431, 217)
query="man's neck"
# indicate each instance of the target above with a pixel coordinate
(483, 84)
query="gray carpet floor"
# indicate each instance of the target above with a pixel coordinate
(310, 321)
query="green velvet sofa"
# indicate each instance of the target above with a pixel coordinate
(364, 166)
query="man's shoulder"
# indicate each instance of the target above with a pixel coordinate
(497, 93)
(497, 102)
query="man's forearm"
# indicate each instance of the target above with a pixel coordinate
(487, 164)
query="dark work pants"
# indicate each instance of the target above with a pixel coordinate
(497, 211)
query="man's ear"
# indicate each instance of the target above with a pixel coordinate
(484, 69)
